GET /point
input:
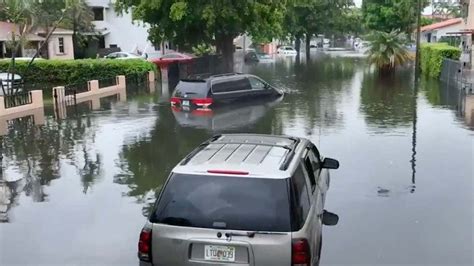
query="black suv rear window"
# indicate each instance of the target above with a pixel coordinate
(236, 203)
(193, 89)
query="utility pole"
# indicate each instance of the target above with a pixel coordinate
(418, 39)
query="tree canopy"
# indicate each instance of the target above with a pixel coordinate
(387, 16)
(190, 22)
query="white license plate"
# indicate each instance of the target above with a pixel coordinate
(219, 253)
(185, 103)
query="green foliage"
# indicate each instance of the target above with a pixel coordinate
(321, 17)
(448, 9)
(203, 49)
(432, 56)
(427, 21)
(387, 50)
(451, 40)
(191, 22)
(383, 15)
(64, 72)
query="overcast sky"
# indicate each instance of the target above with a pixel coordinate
(358, 2)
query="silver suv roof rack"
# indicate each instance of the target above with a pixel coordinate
(286, 162)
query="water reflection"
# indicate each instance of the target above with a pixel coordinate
(386, 101)
(33, 154)
(466, 109)
(236, 116)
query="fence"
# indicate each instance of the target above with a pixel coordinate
(107, 82)
(451, 72)
(18, 99)
(15, 105)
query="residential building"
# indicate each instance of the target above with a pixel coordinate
(467, 33)
(435, 31)
(60, 45)
(119, 30)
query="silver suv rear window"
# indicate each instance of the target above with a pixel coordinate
(223, 202)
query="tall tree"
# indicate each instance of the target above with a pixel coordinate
(447, 9)
(387, 16)
(190, 22)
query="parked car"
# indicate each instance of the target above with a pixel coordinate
(123, 55)
(10, 82)
(286, 50)
(258, 57)
(23, 58)
(174, 57)
(150, 56)
(220, 90)
(241, 199)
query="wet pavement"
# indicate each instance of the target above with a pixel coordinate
(77, 190)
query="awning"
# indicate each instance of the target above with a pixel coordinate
(462, 32)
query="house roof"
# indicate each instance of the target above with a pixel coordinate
(6, 29)
(56, 31)
(442, 24)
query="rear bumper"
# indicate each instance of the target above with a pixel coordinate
(143, 263)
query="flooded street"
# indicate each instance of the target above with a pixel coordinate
(77, 190)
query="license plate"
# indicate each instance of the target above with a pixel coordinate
(185, 103)
(219, 253)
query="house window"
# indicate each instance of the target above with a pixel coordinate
(98, 13)
(61, 45)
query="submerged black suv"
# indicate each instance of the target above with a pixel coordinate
(221, 89)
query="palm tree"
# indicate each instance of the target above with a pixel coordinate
(387, 50)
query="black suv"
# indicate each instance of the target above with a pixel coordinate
(221, 89)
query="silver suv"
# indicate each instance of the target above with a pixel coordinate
(241, 199)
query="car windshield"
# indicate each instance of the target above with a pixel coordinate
(236, 203)
(191, 88)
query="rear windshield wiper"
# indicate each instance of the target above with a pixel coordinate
(251, 234)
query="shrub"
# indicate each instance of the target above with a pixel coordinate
(432, 56)
(64, 72)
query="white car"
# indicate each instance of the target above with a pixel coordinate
(9, 81)
(286, 50)
(123, 55)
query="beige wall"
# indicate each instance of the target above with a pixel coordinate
(470, 17)
(53, 47)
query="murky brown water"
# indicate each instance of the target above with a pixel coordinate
(75, 191)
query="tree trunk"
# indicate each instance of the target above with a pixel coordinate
(308, 43)
(298, 46)
(225, 45)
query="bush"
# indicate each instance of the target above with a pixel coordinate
(62, 72)
(432, 56)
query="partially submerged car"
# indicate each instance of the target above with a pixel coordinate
(221, 90)
(258, 57)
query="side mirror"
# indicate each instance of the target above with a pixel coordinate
(329, 163)
(330, 219)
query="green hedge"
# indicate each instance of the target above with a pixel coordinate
(64, 72)
(432, 56)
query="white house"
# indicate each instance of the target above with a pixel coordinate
(434, 32)
(60, 45)
(120, 31)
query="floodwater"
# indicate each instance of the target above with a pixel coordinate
(77, 190)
